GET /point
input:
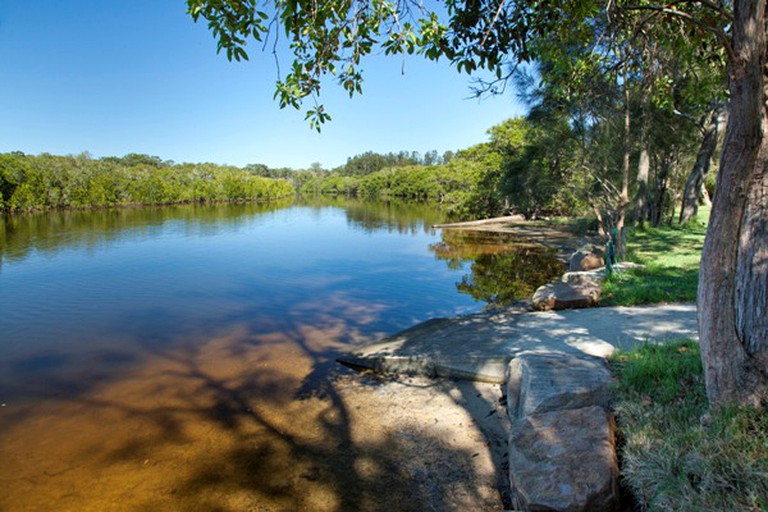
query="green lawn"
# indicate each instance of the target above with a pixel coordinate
(671, 256)
(676, 454)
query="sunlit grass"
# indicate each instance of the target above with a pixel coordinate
(675, 453)
(670, 255)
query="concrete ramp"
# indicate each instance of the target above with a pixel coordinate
(479, 346)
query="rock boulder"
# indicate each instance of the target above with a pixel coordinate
(565, 461)
(560, 295)
(587, 257)
(538, 383)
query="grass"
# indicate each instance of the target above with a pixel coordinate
(676, 454)
(670, 255)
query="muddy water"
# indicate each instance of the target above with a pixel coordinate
(183, 359)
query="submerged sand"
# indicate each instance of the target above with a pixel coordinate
(233, 426)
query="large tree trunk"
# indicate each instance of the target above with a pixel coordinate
(621, 241)
(733, 280)
(642, 196)
(640, 212)
(695, 182)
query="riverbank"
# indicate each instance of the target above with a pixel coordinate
(447, 438)
(481, 346)
(191, 434)
(548, 234)
(478, 349)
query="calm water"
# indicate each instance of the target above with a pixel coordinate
(161, 322)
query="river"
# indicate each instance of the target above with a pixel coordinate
(183, 358)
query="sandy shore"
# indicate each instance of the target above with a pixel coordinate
(538, 232)
(449, 438)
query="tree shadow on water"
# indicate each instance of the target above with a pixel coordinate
(258, 417)
(223, 433)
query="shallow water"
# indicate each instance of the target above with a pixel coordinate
(184, 358)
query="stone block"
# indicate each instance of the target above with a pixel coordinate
(588, 257)
(564, 461)
(538, 383)
(561, 295)
(585, 278)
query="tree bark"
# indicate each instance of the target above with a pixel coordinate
(661, 193)
(733, 279)
(621, 245)
(695, 182)
(704, 198)
(640, 214)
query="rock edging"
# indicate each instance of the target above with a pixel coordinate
(561, 446)
(575, 289)
(562, 453)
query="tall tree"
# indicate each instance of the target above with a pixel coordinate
(710, 131)
(733, 280)
(332, 37)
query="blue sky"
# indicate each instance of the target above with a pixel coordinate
(138, 76)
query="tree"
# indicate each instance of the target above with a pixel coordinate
(332, 38)
(694, 186)
(538, 162)
(733, 280)
(369, 162)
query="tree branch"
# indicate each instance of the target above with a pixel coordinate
(493, 22)
(699, 123)
(718, 8)
(688, 18)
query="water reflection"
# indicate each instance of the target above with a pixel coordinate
(50, 232)
(214, 424)
(391, 216)
(503, 269)
(180, 359)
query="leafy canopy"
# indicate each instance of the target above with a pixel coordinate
(332, 37)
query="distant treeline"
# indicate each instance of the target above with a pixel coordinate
(358, 165)
(456, 186)
(477, 182)
(464, 183)
(46, 181)
(545, 164)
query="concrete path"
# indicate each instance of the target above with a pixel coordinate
(480, 346)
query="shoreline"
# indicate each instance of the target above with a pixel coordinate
(482, 222)
(471, 355)
(542, 233)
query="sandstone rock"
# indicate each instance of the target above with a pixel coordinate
(587, 257)
(561, 295)
(595, 276)
(564, 461)
(585, 277)
(538, 383)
